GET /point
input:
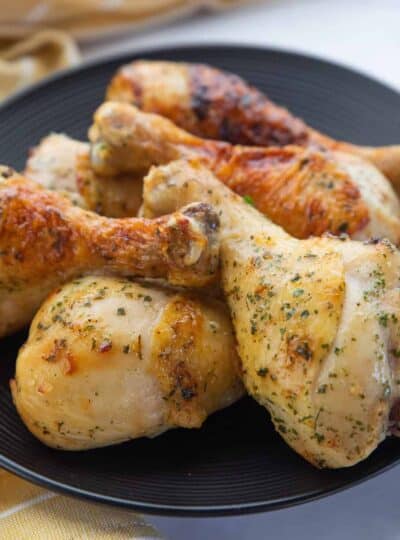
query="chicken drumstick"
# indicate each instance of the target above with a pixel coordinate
(305, 191)
(109, 360)
(45, 240)
(317, 321)
(215, 104)
(54, 165)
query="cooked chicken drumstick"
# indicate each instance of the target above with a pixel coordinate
(54, 165)
(218, 105)
(53, 162)
(109, 360)
(45, 241)
(305, 191)
(317, 321)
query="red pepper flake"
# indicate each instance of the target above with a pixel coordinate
(105, 345)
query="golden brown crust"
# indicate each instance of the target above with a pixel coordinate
(306, 193)
(303, 190)
(35, 232)
(41, 232)
(216, 104)
(179, 376)
(227, 108)
(219, 105)
(45, 240)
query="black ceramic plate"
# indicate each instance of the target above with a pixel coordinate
(236, 463)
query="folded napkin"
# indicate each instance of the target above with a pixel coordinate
(37, 36)
(25, 61)
(28, 512)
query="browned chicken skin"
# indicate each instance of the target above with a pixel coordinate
(206, 102)
(219, 105)
(306, 191)
(45, 241)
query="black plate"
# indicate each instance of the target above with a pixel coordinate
(236, 463)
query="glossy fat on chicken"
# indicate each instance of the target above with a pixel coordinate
(61, 163)
(109, 360)
(317, 321)
(216, 104)
(46, 241)
(306, 191)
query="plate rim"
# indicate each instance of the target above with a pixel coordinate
(125, 55)
(184, 511)
(175, 509)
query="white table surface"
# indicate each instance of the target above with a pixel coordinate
(364, 34)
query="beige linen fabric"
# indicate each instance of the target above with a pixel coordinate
(37, 36)
(28, 512)
(22, 62)
(89, 18)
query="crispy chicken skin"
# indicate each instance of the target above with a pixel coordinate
(62, 164)
(306, 191)
(317, 321)
(218, 105)
(45, 241)
(109, 360)
(206, 102)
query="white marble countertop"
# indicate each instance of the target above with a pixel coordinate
(363, 34)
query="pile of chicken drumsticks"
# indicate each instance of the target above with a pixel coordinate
(202, 244)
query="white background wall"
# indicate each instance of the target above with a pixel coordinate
(364, 34)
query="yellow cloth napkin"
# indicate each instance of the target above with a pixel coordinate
(28, 512)
(37, 36)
